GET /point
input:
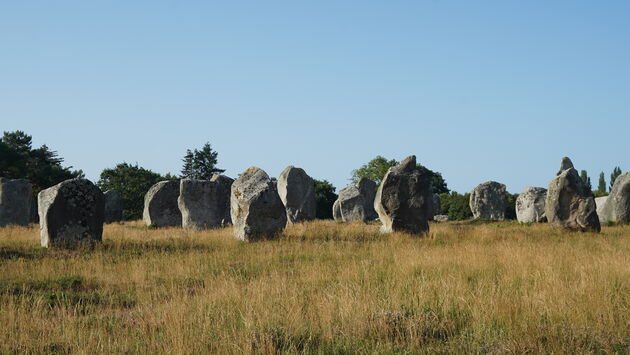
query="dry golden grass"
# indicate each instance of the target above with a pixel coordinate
(323, 287)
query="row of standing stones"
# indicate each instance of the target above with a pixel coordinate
(73, 212)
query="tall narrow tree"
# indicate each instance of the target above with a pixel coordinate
(601, 186)
(613, 176)
(586, 179)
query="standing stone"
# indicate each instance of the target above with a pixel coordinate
(570, 203)
(113, 206)
(160, 205)
(488, 201)
(600, 202)
(297, 192)
(337, 211)
(356, 202)
(530, 205)
(205, 204)
(15, 202)
(71, 213)
(617, 206)
(404, 199)
(435, 206)
(256, 209)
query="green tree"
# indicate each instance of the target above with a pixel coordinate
(613, 176)
(132, 182)
(41, 166)
(455, 205)
(510, 209)
(200, 164)
(601, 186)
(325, 196)
(376, 169)
(585, 179)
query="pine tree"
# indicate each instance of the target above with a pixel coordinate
(601, 187)
(200, 164)
(613, 176)
(586, 179)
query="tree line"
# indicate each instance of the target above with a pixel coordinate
(43, 167)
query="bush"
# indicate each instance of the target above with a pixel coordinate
(456, 206)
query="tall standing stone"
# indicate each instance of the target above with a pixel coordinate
(600, 202)
(160, 205)
(404, 198)
(205, 204)
(71, 214)
(16, 198)
(356, 202)
(616, 207)
(489, 201)
(297, 192)
(256, 209)
(113, 206)
(570, 203)
(530, 205)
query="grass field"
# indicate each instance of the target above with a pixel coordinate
(324, 287)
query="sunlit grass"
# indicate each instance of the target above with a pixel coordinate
(324, 287)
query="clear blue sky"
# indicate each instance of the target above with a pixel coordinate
(478, 90)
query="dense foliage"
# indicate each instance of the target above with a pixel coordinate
(325, 196)
(613, 176)
(41, 166)
(132, 182)
(455, 205)
(200, 164)
(376, 169)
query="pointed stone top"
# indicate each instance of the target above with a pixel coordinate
(566, 164)
(407, 165)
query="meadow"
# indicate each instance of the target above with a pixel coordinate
(323, 287)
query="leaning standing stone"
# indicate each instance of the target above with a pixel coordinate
(16, 198)
(256, 208)
(488, 201)
(530, 205)
(204, 203)
(616, 207)
(404, 199)
(160, 205)
(113, 206)
(356, 202)
(71, 213)
(297, 192)
(570, 203)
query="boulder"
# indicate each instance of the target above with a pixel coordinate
(16, 197)
(113, 206)
(530, 205)
(256, 208)
(356, 202)
(488, 201)
(404, 198)
(205, 204)
(441, 218)
(70, 214)
(435, 206)
(599, 204)
(570, 203)
(160, 205)
(297, 192)
(617, 206)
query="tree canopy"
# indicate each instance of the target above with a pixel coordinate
(376, 169)
(200, 164)
(41, 166)
(325, 196)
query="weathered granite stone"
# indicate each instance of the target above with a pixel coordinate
(600, 202)
(71, 214)
(205, 204)
(337, 211)
(356, 202)
(113, 206)
(441, 218)
(160, 205)
(570, 203)
(435, 206)
(297, 192)
(530, 205)
(16, 198)
(256, 209)
(617, 206)
(404, 199)
(488, 201)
